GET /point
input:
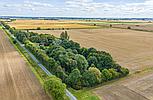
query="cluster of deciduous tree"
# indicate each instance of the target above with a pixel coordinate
(55, 87)
(47, 61)
(77, 66)
(5, 25)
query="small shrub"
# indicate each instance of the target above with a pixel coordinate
(128, 27)
(38, 28)
(14, 41)
(124, 71)
(111, 25)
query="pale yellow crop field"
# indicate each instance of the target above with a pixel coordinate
(48, 24)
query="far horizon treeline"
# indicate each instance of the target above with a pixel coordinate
(76, 66)
(72, 18)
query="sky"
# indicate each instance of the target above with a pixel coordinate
(78, 8)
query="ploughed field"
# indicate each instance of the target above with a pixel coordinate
(131, 49)
(17, 80)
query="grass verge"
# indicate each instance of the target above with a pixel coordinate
(84, 94)
(0, 27)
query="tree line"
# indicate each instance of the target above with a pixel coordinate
(52, 85)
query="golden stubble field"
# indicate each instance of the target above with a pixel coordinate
(17, 82)
(135, 25)
(131, 49)
(143, 26)
(48, 24)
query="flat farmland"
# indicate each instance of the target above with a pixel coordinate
(137, 26)
(131, 49)
(48, 24)
(17, 80)
(136, 87)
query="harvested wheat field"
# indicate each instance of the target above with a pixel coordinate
(137, 26)
(132, 49)
(136, 87)
(17, 80)
(47, 24)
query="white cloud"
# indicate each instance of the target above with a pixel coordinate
(84, 8)
(27, 4)
(37, 4)
(132, 9)
(149, 2)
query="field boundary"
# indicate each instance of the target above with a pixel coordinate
(98, 27)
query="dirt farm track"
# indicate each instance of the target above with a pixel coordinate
(17, 82)
(131, 49)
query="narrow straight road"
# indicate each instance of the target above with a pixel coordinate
(17, 82)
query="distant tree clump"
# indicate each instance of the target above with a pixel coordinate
(128, 27)
(64, 35)
(38, 28)
(111, 25)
